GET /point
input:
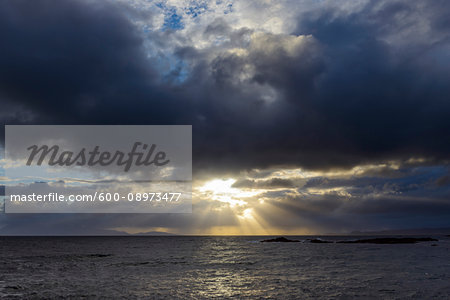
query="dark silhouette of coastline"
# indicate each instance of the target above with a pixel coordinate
(280, 240)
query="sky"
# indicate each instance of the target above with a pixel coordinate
(308, 117)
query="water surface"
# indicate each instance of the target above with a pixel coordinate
(183, 267)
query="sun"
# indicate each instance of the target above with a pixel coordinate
(222, 190)
(219, 186)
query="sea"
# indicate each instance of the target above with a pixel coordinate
(216, 267)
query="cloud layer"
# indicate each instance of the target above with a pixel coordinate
(292, 84)
(341, 88)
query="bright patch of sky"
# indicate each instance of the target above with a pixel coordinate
(168, 25)
(172, 20)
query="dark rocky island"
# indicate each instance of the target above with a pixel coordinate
(408, 240)
(280, 240)
(319, 241)
(384, 240)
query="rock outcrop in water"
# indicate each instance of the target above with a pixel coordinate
(408, 240)
(280, 240)
(384, 240)
(319, 241)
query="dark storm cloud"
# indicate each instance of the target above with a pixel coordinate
(76, 62)
(360, 89)
(443, 181)
(264, 184)
(383, 99)
(331, 213)
(406, 203)
(365, 88)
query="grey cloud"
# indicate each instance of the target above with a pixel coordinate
(265, 184)
(334, 213)
(345, 204)
(443, 181)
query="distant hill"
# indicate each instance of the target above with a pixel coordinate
(155, 233)
(91, 232)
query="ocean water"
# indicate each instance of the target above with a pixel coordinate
(183, 267)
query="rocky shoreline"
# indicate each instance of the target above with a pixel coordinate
(384, 240)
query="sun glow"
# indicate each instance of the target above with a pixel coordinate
(239, 201)
(222, 190)
(247, 214)
(219, 185)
